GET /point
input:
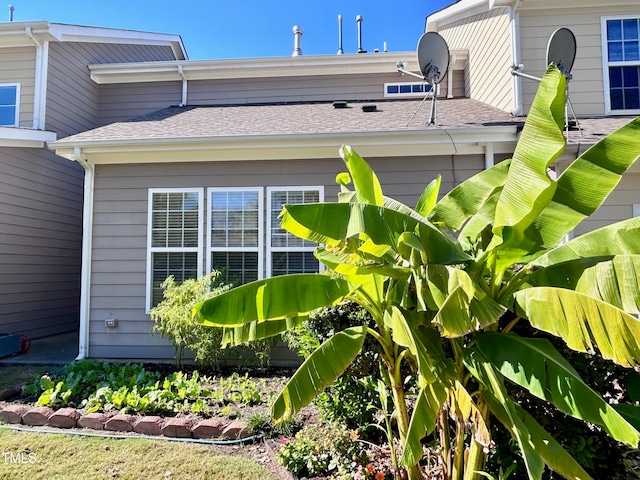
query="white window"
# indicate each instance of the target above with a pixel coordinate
(174, 238)
(234, 238)
(9, 104)
(287, 253)
(621, 64)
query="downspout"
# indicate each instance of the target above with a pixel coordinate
(488, 156)
(184, 86)
(39, 94)
(87, 231)
(514, 22)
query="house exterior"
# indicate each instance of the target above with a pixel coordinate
(606, 72)
(191, 160)
(46, 93)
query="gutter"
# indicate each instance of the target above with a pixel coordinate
(87, 228)
(39, 98)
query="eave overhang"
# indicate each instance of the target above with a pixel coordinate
(25, 137)
(14, 34)
(301, 66)
(393, 144)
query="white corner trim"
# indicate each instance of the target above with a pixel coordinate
(25, 137)
(636, 210)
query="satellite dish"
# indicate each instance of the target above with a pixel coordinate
(561, 50)
(433, 57)
(433, 60)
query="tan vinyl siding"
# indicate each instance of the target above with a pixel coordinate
(72, 97)
(118, 287)
(586, 89)
(40, 239)
(619, 205)
(18, 65)
(487, 38)
(122, 101)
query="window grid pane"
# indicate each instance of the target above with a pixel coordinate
(182, 265)
(234, 234)
(175, 224)
(279, 236)
(623, 45)
(237, 267)
(283, 263)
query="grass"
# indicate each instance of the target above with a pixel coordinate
(14, 374)
(65, 457)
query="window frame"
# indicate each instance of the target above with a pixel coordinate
(259, 248)
(606, 64)
(16, 119)
(151, 249)
(270, 249)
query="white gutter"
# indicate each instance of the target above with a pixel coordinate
(514, 22)
(40, 92)
(87, 230)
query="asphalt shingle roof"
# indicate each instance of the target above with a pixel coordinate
(317, 118)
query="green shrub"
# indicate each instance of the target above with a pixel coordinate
(172, 318)
(348, 398)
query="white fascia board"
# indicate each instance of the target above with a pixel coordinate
(302, 66)
(25, 137)
(426, 142)
(457, 11)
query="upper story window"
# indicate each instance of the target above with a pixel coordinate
(406, 89)
(621, 63)
(9, 104)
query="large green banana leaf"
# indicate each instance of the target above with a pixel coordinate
(429, 197)
(423, 421)
(462, 306)
(618, 239)
(547, 447)
(318, 371)
(365, 182)
(528, 188)
(331, 223)
(587, 182)
(535, 365)
(615, 281)
(583, 322)
(258, 331)
(536, 445)
(353, 264)
(501, 405)
(275, 298)
(466, 199)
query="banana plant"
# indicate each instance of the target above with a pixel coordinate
(450, 281)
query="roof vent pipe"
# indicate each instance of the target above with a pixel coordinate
(359, 20)
(297, 35)
(340, 50)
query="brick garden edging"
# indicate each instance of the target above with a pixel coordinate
(172, 427)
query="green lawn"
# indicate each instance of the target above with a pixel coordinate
(66, 457)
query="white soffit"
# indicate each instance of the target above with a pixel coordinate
(25, 137)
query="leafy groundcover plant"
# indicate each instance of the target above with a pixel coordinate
(448, 282)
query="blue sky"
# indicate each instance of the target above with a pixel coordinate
(213, 29)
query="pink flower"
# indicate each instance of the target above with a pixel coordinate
(283, 440)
